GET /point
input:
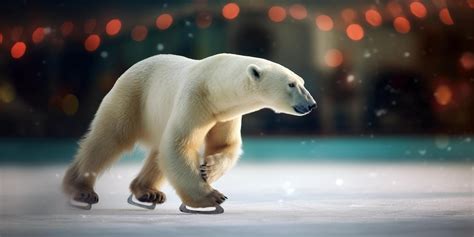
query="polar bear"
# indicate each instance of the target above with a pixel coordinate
(177, 106)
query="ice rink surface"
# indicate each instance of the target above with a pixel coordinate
(306, 199)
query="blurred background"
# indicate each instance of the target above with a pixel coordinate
(394, 80)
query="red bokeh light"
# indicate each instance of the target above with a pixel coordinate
(418, 9)
(402, 25)
(277, 14)
(16, 33)
(38, 35)
(92, 42)
(139, 33)
(470, 3)
(18, 50)
(394, 8)
(373, 17)
(355, 32)
(203, 20)
(67, 28)
(333, 58)
(324, 22)
(164, 21)
(467, 60)
(1, 38)
(445, 17)
(89, 26)
(348, 15)
(443, 95)
(298, 12)
(230, 11)
(113, 27)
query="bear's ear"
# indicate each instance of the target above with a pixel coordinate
(254, 72)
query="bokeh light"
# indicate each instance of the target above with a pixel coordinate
(139, 33)
(164, 21)
(394, 8)
(418, 9)
(324, 22)
(18, 50)
(443, 95)
(373, 17)
(355, 32)
(67, 28)
(203, 20)
(298, 11)
(92, 42)
(467, 60)
(401, 25)
(348, 15)
(113, 27)
(445, 17)
(1, 38)
(38, 35)
(89, 26)
(470, 3)
(333, 58)
(277, 14)
(230, 11)
(70, 104)
(7, 92)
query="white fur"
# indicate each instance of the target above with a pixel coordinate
(176, 106)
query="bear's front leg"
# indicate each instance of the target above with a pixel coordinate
(223, 148)
(180, 162)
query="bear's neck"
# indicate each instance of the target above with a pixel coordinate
(233, 98)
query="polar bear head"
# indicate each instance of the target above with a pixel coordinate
(280, 89)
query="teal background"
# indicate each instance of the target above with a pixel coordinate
(301, 149)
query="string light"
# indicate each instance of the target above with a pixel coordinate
(355, 32)
(1, 38)
(298, 11)
(443, 95)
(445, 17)
(139, 33)
(348, 15)
(373, 17)
(418, 9)
(89, 26)
(277, 14)
(18, 50)
(230, 11)
(402, 25)
(333, 58)
(113, 27)
(324, 22)
(203, 20)
(92, 42)
(67, 28)
(38, 35)
(164, 21)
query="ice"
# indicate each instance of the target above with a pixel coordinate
(265, 199)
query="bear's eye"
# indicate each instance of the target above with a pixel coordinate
(291, 85)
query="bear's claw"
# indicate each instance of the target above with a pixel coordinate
(84, 200)
(149, 207)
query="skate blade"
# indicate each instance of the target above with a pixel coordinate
(79, 205)
(218, 210)
(149, 207)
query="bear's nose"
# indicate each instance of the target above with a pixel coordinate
(311, 107)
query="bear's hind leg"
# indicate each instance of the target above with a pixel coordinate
(97, 151)
(145, 187)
